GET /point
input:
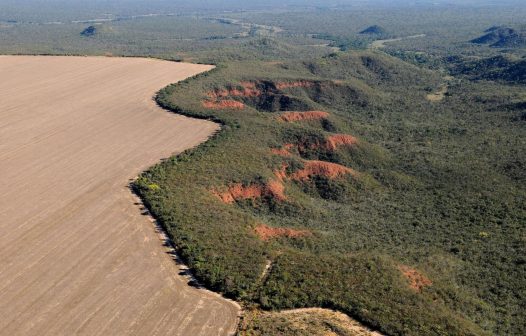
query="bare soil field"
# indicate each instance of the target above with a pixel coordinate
(78, 256)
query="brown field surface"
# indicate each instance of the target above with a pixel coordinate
(77, 256)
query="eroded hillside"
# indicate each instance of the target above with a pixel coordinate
(336, 183)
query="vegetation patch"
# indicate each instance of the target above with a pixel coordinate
(266, 233)
(431, 178)
(284, 150)
(294, 84)
(503, 68)
(502, 37)
(89, 31)
(374, 30)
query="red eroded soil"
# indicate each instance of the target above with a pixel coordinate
(248, 89)
(223, 105)
(307, 115)
(281, 174)
(321, 168)
(238, 191)
(287, 85)
(331, 143)
(417, 280)
(276, 189)
(248, 85)
(337, 140)
(266, 233)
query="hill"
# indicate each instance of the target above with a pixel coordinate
(501, 68)
(335, 183)
(374, 30)
(502, 37)
(98, 29)
(89, 31)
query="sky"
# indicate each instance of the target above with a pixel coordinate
(47, 10)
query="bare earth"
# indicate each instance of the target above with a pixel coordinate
(379, 44)
(440, 94)
(77, 257)
(303, 321)
(346, 323)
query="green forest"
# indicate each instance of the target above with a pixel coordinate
(437, 188)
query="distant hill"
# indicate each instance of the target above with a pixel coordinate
(515, 72)
(493, 28)
(499, 67)
(502, 37)
(89, 31)
(96, 29)
(374, 30)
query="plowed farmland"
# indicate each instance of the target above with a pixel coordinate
(78, 254)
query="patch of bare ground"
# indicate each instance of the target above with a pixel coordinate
(266, 270)
(77, 256)
(246, 89)
(417, 280)
(300, 116)
(266, 233)
(226, 104)
(331, 143)
(313, 168)
(302, 322)
(237, 191)
(294, 84)
(442, 91)
(321, 168)
(439, 95)
(379, 44)
(334, 141)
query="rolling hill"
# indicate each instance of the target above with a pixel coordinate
(335, 183)
(503, 37)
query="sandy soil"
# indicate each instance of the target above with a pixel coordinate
(439, 95)
(352, 327)
(441, 92)
(77, 254)
(379, 44)
(307, 321)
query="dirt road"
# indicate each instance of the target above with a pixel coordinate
(77, 257)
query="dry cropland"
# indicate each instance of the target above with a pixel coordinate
(78, 255)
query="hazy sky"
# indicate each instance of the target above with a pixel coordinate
(46, 10)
